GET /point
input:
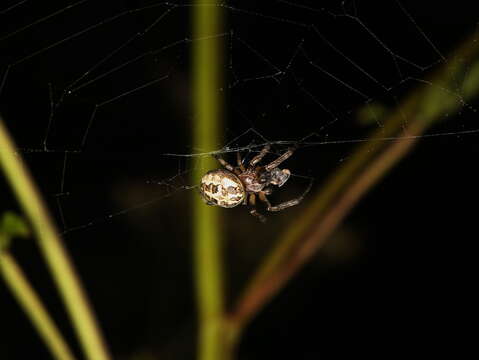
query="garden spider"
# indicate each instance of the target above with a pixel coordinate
(242, 185)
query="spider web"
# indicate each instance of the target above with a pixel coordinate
(97, 95)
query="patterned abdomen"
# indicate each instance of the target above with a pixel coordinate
(222, 188)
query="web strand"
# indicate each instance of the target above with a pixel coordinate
(110, 93)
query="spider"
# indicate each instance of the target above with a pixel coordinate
(232, 186)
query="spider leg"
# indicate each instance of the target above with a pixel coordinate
(239, 161)
(286, 204)
(224, 162)
(253, 211)
(259, 157)
(275, 163)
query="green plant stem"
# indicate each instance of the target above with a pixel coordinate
(52, 249)
(422, 108)
(208, 268)
(33, 307)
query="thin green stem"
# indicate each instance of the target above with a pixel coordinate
(52, 249)
(206, 225)
(33, 307)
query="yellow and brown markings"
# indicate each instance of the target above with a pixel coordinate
(222, 188)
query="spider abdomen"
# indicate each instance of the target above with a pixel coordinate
(222, 188)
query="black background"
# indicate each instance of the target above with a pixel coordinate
(397, 278)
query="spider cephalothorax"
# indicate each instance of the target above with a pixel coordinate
(240, 185)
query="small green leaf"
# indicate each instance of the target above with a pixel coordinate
(4, 242)
(13, 225)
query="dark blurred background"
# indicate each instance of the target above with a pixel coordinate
(396, 279)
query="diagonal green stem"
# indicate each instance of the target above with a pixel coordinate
(52, 249)
(33, 307)
(422, 108)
